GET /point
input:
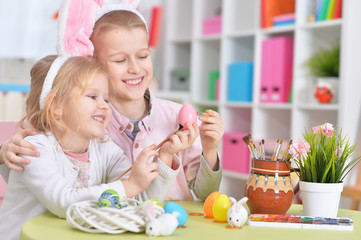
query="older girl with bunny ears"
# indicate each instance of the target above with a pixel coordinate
(139, 119)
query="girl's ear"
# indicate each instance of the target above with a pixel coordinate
(58, 112)
(56, 109)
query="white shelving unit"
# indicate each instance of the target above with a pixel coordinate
(240, 40)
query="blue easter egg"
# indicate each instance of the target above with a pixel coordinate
(171, 207)
(109, 198)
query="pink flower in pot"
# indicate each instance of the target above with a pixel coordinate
(299, 150)
(325, 130)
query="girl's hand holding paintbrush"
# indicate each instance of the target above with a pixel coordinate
(180, 139)
(143, 172)
(177, 142)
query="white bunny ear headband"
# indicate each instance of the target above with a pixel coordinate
(75, 25)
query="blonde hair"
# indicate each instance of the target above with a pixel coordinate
(117, 19)
(75, 72)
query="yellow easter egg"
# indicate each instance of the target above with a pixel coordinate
(220, 208)
(208, 204)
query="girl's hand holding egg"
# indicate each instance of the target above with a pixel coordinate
(187, 114)
(178, 142)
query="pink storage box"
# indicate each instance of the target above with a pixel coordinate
(212, 25)
(235, 153)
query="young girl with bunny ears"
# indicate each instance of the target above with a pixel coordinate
(139, 119)
(75, 161)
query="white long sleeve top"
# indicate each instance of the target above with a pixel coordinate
(46, 183)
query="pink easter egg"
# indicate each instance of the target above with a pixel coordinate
(187, 114)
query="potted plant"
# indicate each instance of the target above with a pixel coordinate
(324, 159)
(324, 65)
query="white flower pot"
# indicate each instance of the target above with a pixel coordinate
(320, 199)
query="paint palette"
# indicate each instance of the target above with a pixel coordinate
(306, 222)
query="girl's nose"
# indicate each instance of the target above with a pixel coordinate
(103, 105)
(134, 67)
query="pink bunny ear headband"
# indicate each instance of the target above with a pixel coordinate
(75, 25)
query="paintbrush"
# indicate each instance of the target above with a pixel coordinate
(202, 113)
(275, 150)
(169, 136)
(286, 151)
(278, 149)
(156, 148)
(246, 140)
(253, 147)
(260, 151)
(263, 150)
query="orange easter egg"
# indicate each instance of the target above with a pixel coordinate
(208, 204)
(220, 208)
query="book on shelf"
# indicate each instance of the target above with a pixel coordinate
(326, 9)
(284, 19)
(331, 9)
(212, 87)
(272, 8)
(319, 6)
(276, 70)
(338, 9)
(284, 23)
(156, 25)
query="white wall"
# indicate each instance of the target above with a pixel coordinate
(27, 28)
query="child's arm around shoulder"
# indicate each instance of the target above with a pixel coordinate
(12, 149)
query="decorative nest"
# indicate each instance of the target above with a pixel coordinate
(88, 217)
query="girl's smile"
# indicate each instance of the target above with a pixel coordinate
(99, 118)
(136, 82)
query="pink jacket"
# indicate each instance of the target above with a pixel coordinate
(154, 128)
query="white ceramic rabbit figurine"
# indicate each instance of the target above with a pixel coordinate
(164, 225)
(237, 214)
